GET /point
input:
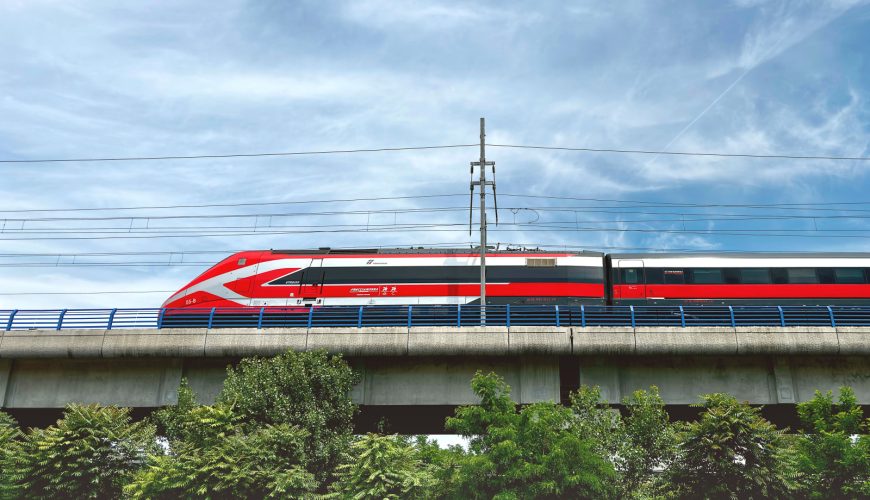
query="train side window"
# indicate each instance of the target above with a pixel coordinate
(853, 275)
(674, 277)
(632, 276)
(779, 276)
(731, 275)
(756, 276)
(654, 276)
(802, 275)
(707, 276)
(313, 276)
(826, 275)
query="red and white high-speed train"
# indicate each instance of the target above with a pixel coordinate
(394, 277)
(438, 276)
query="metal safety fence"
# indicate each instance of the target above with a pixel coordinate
(437, 316)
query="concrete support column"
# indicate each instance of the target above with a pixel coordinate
(5, 375)
(783, 381)
(539, 379)
(605, 374)
(167, 392)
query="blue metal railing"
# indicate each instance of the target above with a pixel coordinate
(436, 315)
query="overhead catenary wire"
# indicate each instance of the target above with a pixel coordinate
(537, 227)
(237, 155)
(827, 206)
(446, 195)
(445, 146)
(229, 205)
(604, 209)
(684, 153)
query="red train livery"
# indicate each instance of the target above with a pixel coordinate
(437, 276)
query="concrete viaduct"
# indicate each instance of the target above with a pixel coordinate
(416, 376)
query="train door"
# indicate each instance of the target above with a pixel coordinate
(311, 284)
(631, 280)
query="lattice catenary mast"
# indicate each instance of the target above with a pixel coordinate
(482, 182)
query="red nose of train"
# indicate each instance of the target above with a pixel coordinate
(222, 285)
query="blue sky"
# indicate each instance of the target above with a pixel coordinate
(100, 78)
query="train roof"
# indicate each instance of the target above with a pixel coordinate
(744, 255)
(423, 251)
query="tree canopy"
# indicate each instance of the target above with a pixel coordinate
(528, 453)
(282, 428)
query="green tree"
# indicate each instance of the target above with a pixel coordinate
(637, 445)
(223, 461)
(310, 390)
(10, 436)
(730, 452)
(90, 453)
(596, 420)
(533, 453)
(383, 467)
(174, 422)
(647, 443)
(833, 459)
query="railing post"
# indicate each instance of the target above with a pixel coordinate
(160, 318)
(111, 318)
(631, 308)
(507, 315)
(310, 316)
(359, 318)
(558, 320)
(260, 318)
(781, 316)
(583, 315)
(458, 315)
(831, 314)
(410, 308)
(11, 318)
(211, 317)
(60, 319)
(731, 312)
(682, 317)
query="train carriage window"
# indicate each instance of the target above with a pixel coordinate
(825, 274)
(731, 275)
(853, 275)
(707, 276)
(674, 277)
(755, 276)
(802, 275)
(654, 276)
(779, 276)
(313, 276)
(632, 276)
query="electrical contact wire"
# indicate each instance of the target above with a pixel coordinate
(682, 153)
(458, 228)
(240, 155)
(225, 205)
(446, 146)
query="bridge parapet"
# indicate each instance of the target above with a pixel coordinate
(439, 341)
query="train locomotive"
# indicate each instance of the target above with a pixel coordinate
(306, 278)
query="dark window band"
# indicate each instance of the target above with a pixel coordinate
(441, 274)
(744, 276)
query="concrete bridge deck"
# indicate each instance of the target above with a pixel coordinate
(427, 370)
